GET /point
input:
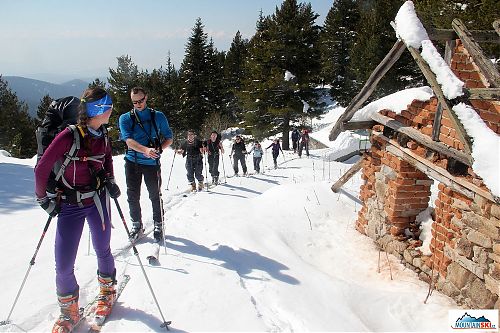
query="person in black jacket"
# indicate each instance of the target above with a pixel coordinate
(193, 149)
(276, 148)
(295, 139)
(214, 145)
(304, 142)
(238, 152)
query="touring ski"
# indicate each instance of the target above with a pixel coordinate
(96, 321)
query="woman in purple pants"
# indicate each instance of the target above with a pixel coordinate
(83, 193)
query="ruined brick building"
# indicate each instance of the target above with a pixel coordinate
(425, 145)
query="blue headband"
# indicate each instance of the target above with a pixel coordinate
(100, 106)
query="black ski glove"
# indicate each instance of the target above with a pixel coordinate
(98, 180)
(113, 189)
(49, 205)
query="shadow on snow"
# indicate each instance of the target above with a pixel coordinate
(241, 261)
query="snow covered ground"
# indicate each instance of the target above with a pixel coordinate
(272, 252)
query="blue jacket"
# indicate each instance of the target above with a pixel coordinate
(141, 135)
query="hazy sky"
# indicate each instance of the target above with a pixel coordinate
(76, 38)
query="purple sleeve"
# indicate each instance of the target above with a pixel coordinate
(55, 152)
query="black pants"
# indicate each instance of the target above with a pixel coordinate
(275, 159)
(302, 146)
(241, 159)
(256, 163)
(213, 165)
(194, 168)
(133, 174)
(294, 145)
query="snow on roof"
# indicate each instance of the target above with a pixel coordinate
(396, 102)
(485, 147)
(451, 85)
(412, 33)
(408, 27)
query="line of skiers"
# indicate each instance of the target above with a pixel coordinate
(81, 188)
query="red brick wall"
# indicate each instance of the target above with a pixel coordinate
(465, 242)
(463, 67)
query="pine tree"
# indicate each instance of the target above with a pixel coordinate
(234, 72)
(17, 128)
(287, 41)
(375, 38)
(97, 83)
(121, 81)
(217, 88)
(195, 105)
(337, 40)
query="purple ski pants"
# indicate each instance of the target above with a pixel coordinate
(70, 224)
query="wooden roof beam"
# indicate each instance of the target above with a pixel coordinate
(483, 93)
(423, 139)
(480, 36)
(486, 67)
(458, 184)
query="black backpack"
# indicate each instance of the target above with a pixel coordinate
(62, 113)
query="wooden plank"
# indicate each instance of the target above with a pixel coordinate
(431, 79)
(486, 67)
(423, 139)
(436, 126)
(496, 26)
(448, 50)
(483, 93)
(368, 88)
(458, 184)
(355, 125)
(481, 36)
(349, 173)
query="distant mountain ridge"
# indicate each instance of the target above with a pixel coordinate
(32, 91)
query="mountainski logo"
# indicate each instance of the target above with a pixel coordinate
(477, 320)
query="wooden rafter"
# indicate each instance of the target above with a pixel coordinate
(357, 125)
(423, 139)
(483, 93)
(481, 36)
(368, 88)
(346, 176)
(486, 67)
(458, 184)
(431, 79)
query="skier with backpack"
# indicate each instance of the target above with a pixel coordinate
(74, 179)
(193, 149)
(239, 151)
(214, 145)
(146, 133)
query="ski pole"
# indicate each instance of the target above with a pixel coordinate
(171, 168)
(32, 262)
(162, 211)
(206, 171)
(136, 253)
(223, 168)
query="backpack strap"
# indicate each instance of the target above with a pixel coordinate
(75, 147)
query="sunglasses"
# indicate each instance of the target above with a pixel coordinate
(139, 101)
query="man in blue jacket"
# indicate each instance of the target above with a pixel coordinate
(146, 133)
